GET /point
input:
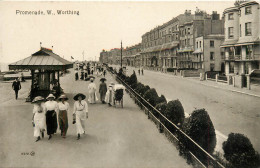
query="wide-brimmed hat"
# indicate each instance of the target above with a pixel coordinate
(103, 79)
(79, 94)
(63, 97)
(50, 96)
(38, 99)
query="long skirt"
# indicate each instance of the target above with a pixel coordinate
(51, 122)
(39, 121)
(63, 122)
(80, 121)
(102, 95)
(92, 97)
(86, 75)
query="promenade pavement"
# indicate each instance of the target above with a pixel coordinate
(115, 137)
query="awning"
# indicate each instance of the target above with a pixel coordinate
(43, 59)
(198, 51)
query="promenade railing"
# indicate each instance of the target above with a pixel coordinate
(171, 130)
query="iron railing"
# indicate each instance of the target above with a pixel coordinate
(161, 122)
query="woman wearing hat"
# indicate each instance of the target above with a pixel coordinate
(51, 115)
(38, 118)
(102, 90)
(63, 108)
(92, 91)
(81, 113)
(109, 95)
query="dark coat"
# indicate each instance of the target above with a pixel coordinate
(16, 85)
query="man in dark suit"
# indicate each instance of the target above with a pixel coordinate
(16, 87)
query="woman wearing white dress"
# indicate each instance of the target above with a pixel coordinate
(80, 113)
(92, 91)
(51, 115)
(38, 118)
(63, 108)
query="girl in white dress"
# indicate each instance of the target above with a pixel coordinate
(92, 91)
(38, 118)
(80, 113)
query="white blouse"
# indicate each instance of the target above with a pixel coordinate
(83, 106)
(64, 106)
(51, 105)
(39, 109)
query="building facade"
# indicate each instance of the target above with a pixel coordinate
(242, 40)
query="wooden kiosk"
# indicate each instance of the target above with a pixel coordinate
(45, 67)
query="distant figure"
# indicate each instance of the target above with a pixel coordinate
(104, 73)
(76, 74)
(16, 87)
(142, 71)
(139, 71)
(39, 119)
(102, 90)
(92, 91)
(22, 78)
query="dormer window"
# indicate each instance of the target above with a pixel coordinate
(231, 16)
(248, 10)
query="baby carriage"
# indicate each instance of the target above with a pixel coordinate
(118, 94)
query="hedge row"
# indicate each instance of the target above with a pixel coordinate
(238, 150)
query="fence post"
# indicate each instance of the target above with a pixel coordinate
(206, 76)
(148, 116)
(248, 82)
(216, 77)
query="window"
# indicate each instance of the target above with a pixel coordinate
(248, 10)
(197, 44)
(231, 67)
(188, 30)
(240, 33)
(211, 43)
(211, 56)
(222, 55)
(248, 29)
(185, 42)
(212, 67)
(230, 32)
(231, 16)
(200, 44)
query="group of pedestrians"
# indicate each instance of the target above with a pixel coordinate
(45, 115)
(48, 115)
(86, 71)
(141, 71)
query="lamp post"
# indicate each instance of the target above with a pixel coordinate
(121, 53)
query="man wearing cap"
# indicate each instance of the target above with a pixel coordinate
(92, 91)
(39, 119)
(51, 115)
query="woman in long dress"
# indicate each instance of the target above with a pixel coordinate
(92, 91)
(51, 115)
(102, 90)
(38, 118)
(80, 112)
(109, 95)
(63, 108)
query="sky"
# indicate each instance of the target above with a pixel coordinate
(99, 25)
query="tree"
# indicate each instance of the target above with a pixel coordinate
(200, 128)
(239, 151)
(161, 107)
(161, 99)
(132, 80)
(151, 96)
